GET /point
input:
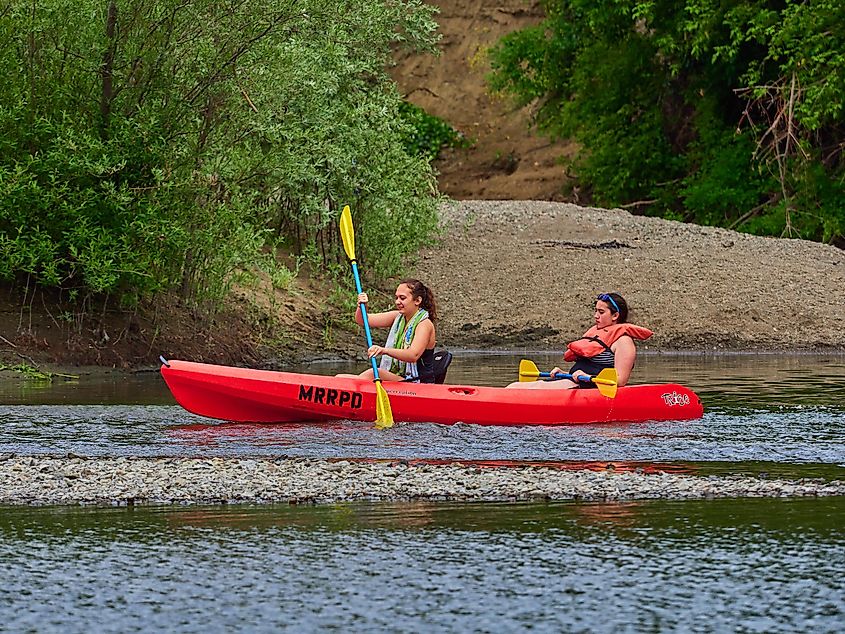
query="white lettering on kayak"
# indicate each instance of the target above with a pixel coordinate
(673, 398)
(330, 396)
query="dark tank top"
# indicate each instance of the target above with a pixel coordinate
(601, 361)
(425, 366)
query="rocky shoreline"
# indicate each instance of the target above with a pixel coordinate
(75, 480)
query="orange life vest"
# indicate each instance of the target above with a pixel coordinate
(590, 344)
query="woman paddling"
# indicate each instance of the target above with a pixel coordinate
(608, 344)
(408, 353)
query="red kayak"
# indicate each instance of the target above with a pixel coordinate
(262, 396)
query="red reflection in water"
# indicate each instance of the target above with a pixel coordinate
(248, 429)
(258, 434)
(615, 513)
(206, 434)
(568, 465)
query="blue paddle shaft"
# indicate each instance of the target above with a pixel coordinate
(366, 319)
(565, 375)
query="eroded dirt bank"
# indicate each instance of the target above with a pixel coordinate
(506, 158)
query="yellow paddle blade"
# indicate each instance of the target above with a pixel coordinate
(607, 376)
(347, 232)
(606, 382)
(384, 415)
(607, 390)
(528, 371)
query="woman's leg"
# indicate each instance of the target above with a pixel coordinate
(562, 384)
(384, 375)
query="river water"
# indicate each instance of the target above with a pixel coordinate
(744, 565)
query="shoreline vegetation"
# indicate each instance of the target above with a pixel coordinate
(38, 480)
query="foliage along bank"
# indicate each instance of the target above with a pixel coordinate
(728, 114)
(165, 146)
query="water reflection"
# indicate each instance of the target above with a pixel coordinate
(714, 565)
(90, 387)
(736, 565)
(822, 516)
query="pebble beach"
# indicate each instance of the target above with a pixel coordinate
(74, 480)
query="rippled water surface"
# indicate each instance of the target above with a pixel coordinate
(703, 566)
(700, 566)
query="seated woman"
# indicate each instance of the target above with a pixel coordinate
(408, 354)
(608, 344)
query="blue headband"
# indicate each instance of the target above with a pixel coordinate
(607, 298)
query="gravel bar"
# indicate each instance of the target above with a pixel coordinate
(27, 480)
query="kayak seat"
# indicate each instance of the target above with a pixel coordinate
(442, 359)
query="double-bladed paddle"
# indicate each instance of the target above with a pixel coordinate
(384, 415)
(606, 380)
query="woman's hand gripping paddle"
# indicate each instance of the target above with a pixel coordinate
(384, 415)
(606, 380)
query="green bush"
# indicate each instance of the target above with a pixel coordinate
(720, 113)
(152, 147)
(427, 134)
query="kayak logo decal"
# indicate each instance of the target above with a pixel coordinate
(673, 398)
(330, 396)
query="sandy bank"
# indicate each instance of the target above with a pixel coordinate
(511, 274)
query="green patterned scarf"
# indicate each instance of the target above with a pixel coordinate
(401, 337)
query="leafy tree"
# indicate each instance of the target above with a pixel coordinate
(149, 146)
(726, 113)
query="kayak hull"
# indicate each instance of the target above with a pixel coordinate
(263, 396)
